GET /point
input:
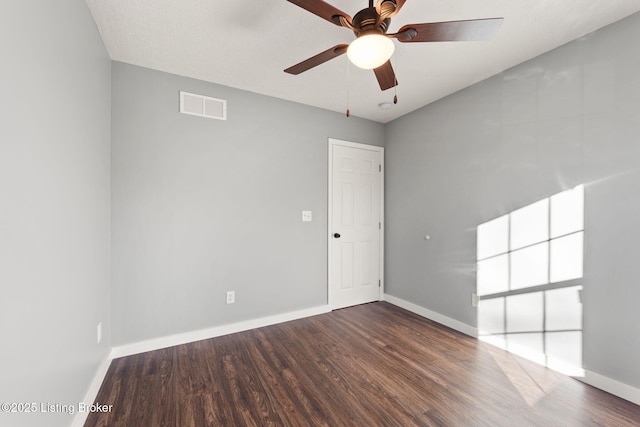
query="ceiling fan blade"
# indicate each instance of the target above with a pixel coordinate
(325, 11)
(386, 76)
(469, 30)
(318, 59)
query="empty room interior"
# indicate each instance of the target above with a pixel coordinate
(202, 223)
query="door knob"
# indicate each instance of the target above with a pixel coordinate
(336, 235)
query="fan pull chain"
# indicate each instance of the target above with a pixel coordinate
(348, 75)
(395, 88)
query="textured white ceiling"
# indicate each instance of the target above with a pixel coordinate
(247, 44)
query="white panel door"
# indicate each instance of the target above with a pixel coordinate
(355, 224)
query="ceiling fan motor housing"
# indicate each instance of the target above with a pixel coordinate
(365, 22)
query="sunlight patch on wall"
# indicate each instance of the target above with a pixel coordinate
(529, 266)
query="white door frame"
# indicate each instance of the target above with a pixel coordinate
(337, 142)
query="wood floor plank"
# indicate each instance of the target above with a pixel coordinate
(373, 365)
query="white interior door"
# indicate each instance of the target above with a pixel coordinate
(355, 223)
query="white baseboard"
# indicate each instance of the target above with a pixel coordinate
(216, 331)
(432, 315)
(94, 388)
(625, 391)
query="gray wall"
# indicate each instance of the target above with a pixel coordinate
(570, 116)
(203, 206)
(54, 205)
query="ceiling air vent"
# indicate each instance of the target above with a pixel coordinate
(203, 106)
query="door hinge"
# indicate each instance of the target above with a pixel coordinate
(380, 168)
(379, 283)
(379, 226)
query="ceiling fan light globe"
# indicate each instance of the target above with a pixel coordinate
(370, 51)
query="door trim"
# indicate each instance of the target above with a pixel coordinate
(337, 142)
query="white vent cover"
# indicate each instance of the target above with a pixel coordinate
(203, 106)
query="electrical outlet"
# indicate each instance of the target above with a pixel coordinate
(475, 300)
(307, 216)
(99, 332)
(231, 297)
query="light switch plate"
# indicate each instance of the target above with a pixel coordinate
(306, 216)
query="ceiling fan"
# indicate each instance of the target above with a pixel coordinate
(373, 47)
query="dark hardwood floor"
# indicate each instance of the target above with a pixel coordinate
(370, 365)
